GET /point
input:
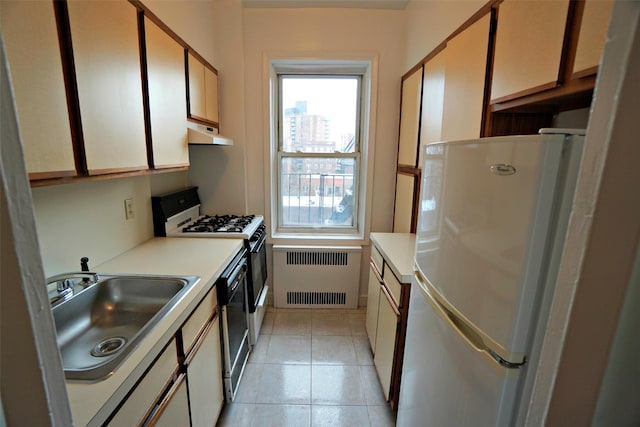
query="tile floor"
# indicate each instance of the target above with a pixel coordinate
(310, 367)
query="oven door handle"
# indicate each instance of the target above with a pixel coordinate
(258, 247)
(240, 272)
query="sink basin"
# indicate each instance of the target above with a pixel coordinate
(99, 326)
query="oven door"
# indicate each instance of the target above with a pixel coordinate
(258, 268)
(235, 331)
(257, 287)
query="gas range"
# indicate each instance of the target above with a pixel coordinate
(178, 214)
(220, 224)
(191, 223)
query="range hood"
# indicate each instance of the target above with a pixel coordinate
(202, 135)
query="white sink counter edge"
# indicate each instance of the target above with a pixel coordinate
(92, 403)
(398, 249)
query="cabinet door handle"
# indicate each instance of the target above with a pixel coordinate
(189, 358)
(374, 267)
(390, 299)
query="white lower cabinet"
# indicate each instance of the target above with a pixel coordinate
(390, 273)
(388, 318)
(204, 376)
(173, 410)
(373, 299)
(144, 397)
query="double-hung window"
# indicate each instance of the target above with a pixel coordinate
(318, 155)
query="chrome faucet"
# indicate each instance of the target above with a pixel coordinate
(64, 280)
(65, 284)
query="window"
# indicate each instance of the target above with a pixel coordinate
(321, 138)
(318, 148)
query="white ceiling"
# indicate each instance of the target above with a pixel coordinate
(361, 4)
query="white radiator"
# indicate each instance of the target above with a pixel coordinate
(316, 276)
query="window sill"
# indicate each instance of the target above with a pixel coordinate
(318, 239)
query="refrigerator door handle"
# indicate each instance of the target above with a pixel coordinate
(465, 332)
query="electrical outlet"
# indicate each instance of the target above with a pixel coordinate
(129, 211)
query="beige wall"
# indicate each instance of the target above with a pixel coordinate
(219, 172)
(323, 31)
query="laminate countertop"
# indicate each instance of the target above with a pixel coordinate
(398, 251)
(92, 403)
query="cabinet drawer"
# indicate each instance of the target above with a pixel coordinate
(393, 284)
(148, 391)
(173, 410)
(376, 257)
(198, 319)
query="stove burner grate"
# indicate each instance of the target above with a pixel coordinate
(219, 224)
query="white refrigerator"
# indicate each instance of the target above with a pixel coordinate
(492, 219)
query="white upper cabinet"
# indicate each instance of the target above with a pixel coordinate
(410, 119)
(107, 65)
(31, 39)
(593, 33)
(167, 98)
(432, 101)
(403, 211)
(466, 64)
(203, 91)
(211, 94)
(196, 87)
(528, 46)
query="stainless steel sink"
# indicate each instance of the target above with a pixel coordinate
(99, 326)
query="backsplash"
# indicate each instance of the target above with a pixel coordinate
(88, 219)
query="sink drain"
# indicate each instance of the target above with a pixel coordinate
(108, 346)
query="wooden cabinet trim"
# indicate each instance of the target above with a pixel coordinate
(575, 93)
(146, 109)
(485, 123)
(71, 85)
(587, 72)
(44, 182)
(527, 92)
(111, 171)
(204, 122)
(396, 373)
(34, 176)
(173, 166)
(570, 41)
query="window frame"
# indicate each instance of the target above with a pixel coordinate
(355, 155)
(363, 65)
